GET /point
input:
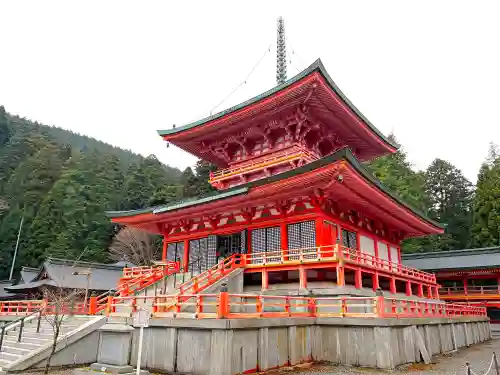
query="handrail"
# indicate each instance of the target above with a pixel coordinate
(470, 290)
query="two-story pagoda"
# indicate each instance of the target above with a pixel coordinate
(293, 196)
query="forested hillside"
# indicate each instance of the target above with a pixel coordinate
(62, 183)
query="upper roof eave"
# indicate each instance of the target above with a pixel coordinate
(316, 66)
(343, 154)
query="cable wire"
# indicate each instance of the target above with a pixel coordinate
(245, 80)
(487, 371)
(294, 53)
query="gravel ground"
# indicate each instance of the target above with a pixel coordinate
(479, 357)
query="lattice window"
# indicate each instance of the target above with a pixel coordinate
(175, 252)
(301, 236)
(243, 242)
(349, 239)
(194, 265)
(266, 240)
(211, 251)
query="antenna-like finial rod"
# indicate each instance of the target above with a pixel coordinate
(281, 53)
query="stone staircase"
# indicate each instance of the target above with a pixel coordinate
(19, 352)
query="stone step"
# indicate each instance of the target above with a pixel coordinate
(15, 350)
(22, 344)
(4, 362)
(9, 356)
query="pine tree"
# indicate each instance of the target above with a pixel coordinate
(486, 204)
(395, 172)
(450, 197)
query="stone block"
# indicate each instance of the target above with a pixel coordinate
(114, 344)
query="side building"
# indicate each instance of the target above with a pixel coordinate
(469, 276)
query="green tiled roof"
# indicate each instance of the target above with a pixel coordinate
(180, 204)
(316, 66)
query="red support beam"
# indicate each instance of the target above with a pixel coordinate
(165, 246)
(302, 278)
(375, 281)
(186, 255)
(358, 279)
(408, 288)
(340, 275)
(392, 285)
(420, 292)
(265, 279)
(284, 238)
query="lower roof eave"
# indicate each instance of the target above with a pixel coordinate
(359, 173)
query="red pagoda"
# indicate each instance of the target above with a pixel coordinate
(294, 201)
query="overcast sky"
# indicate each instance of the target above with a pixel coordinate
(429, 71)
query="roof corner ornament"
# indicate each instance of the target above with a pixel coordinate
(281, 53)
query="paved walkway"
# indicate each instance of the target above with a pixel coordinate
(479, 357)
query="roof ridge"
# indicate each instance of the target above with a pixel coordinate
(74, 263)
(448, 253)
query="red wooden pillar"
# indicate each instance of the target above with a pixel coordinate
(302, 278)
(389, 256)
(420, 292)
(399, 255)
(375, 246)
(498, 284)
(284, 240)
(429, 291)
(465, 285)
(375, 281)
(436, 292)
(340, 275)
(358, 279)
(408, 288)
(265, 279)
(248, 257)
(165, 246)
(392, 285)
(319, 234)
(186, 255)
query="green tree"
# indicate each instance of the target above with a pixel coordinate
(395, 172)
(450, 196)
(486, 203)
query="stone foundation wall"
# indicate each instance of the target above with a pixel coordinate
(226, 347)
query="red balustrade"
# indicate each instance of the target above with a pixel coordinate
(470, 291)
(224, 305)
(334, 253)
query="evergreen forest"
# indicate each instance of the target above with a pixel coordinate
(59, 184)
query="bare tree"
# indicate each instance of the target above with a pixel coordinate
(60, 304)
(135, 246)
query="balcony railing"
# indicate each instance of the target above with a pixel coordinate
(335, 253)
(260, 164)
(226, 305)
(470, 291)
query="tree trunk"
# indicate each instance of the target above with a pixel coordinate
(54, 343)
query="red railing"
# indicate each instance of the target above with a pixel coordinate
(282, 158)
(212, 275)
(20, 307)
(135, 272)
(335, 253)
(145, 276)
(471, 291)
(225, 305)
